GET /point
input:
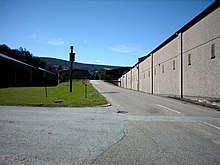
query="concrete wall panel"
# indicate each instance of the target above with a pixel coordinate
(145, 83)
(129, 79)
(166, 70)
(134, 78)
(202, 77)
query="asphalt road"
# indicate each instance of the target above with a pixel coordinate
(37, 135)
(159, 130)
(155, 130)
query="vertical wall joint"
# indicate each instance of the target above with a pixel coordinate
(152, 72)
(181, 65)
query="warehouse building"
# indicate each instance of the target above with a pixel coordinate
(186, 64)
(15, 73)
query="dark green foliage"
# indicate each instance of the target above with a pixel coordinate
(23, 55)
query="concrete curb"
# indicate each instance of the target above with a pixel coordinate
(198, 101)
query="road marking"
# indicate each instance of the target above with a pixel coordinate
(168, 108)
(211, 125)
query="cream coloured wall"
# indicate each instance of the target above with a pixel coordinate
(195, 45)
(202, 77)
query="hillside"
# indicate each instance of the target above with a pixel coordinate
(76, 65)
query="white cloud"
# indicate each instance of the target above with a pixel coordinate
(32, 36)
(127, 48)
(42, 39)
(85, 41)
(56, 41)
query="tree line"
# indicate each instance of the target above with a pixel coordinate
(23, 55)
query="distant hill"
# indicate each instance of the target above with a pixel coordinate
(76, 65)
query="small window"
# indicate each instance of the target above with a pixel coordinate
(189, 59)
(174, 65)
(155, 71)
(148, 73)
(212, 51)
(163, 68)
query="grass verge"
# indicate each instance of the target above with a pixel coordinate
(57, 96)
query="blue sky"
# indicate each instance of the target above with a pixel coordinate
(113, 32)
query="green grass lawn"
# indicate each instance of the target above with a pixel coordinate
(57, 96)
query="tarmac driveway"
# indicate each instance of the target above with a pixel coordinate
(155, 130)
(37, 135)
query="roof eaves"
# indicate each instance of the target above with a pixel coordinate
(199, 17)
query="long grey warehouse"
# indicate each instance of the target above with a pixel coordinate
(186, 64)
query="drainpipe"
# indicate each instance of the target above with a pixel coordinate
(152, 75)
(138, 77)
(126, 81)
(181, 65)
(131, 78)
